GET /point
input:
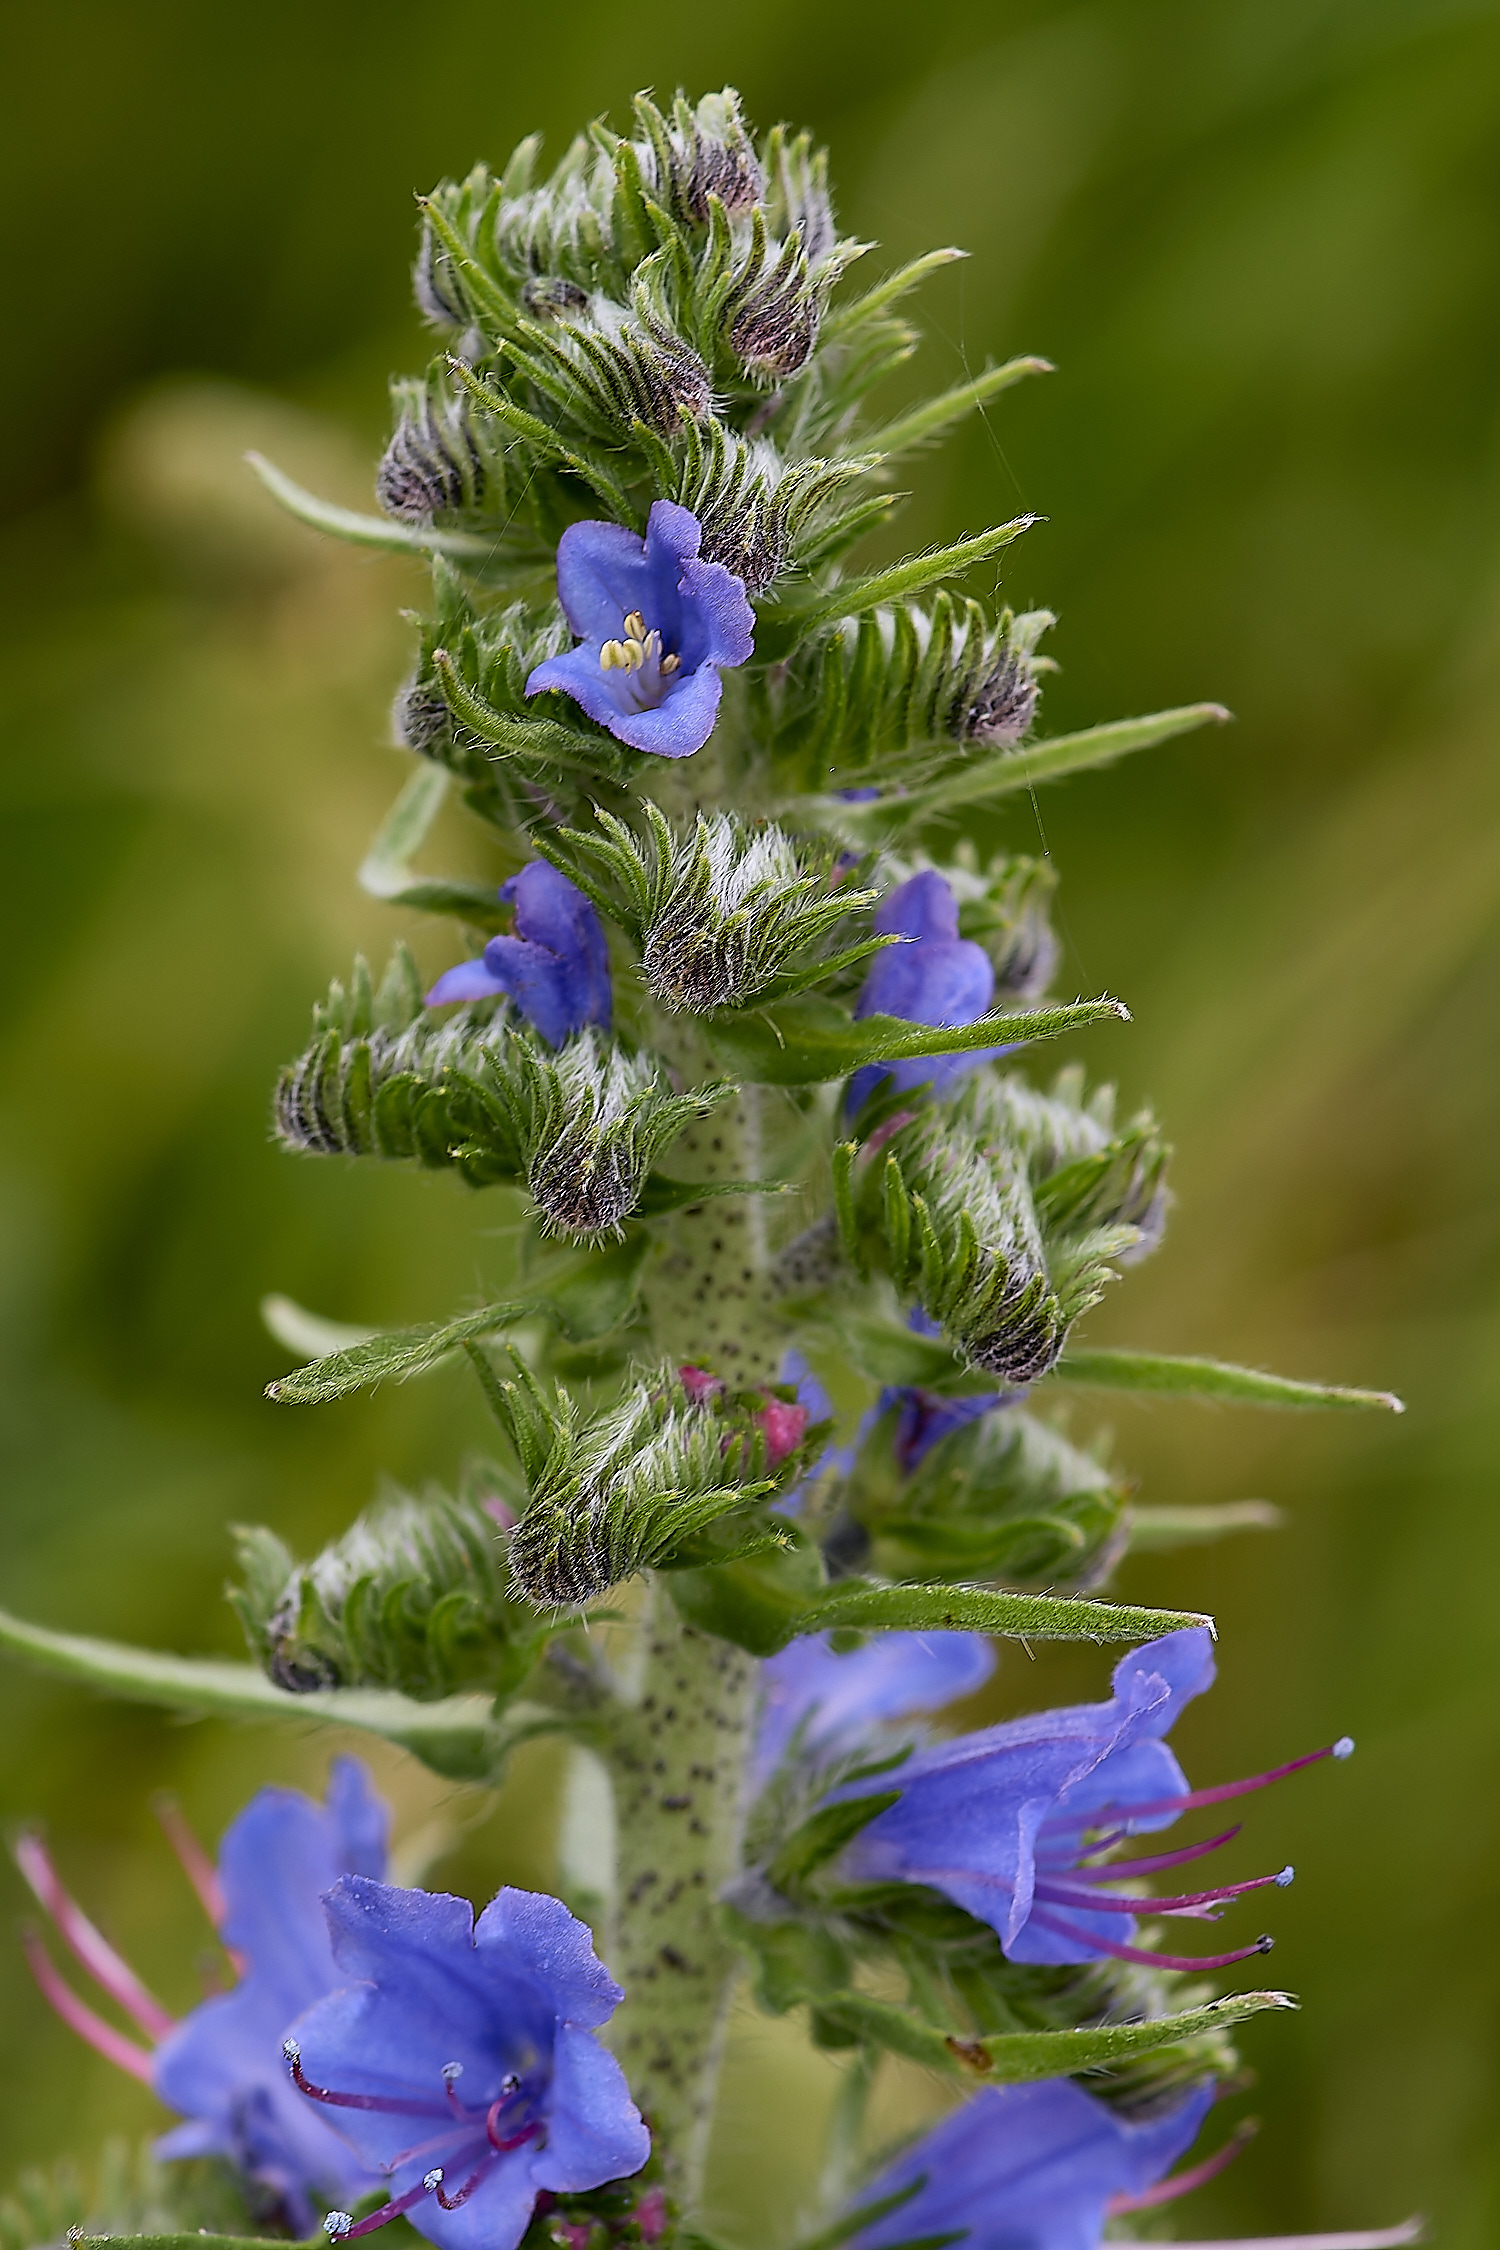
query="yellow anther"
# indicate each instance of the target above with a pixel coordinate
(670, 663)
(612, 657)
(635, 626)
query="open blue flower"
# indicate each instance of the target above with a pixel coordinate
(1011, 1822)
(460, 2059)
(936, 977)
(222, 2067)
(834, 1700)
(1034, 2167)
(656, 625)
(556, 966)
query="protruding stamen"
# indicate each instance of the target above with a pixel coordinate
(89, 1946)
(191, 1858)
(1097, 1902)
(349, 2229)
(1149, 1960)
(1193, 1798)
(1183, 2183)
(452, 2202)
(1157, 1864)
(387, 2107)
(101, 2036)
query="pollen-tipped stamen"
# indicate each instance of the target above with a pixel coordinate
(1058, 1894)
(1183, 2183)
(342, 2226)
(383, 2103)
(1148, 1959)
(1192, 1799)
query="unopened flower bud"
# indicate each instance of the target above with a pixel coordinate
(427, 470)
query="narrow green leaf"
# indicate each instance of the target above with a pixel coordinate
(367, 531)
(1008, 2057)
(308, 1332)
(824, 1834)
(888, 292)
(387, 872)
(938, 414)
(394, 1352)
(1157, 1530)
(853, 595)
(801, 1042)
(1011, 770)
(213, 1685)
(856, 1603)
(1172, 1377)
(534, 738)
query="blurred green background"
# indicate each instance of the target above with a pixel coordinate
(1261, 240)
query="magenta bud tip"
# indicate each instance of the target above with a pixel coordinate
(1344, 1747)
(1286, 1876)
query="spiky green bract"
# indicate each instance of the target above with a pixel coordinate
(412, 1596)
(631, 1487)
(583, 1127)
(1000, 1213)
(1004, 1497)
(724, 913)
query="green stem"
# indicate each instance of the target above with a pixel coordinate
(677, 1761)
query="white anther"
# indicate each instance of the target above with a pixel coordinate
(1344, 1747)
(1286, 1876)
(452, 2071)
(433, 2179)
(337, 2224)
(292, 2050)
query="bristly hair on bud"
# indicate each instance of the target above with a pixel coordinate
(627, 1489)
(596, 1121)
(704, 152)
(432, 465)
(723, 914)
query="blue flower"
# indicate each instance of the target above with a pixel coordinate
(835, 1699)
(1011, 1822)
(655, 626)
(460, 2059)
(937, 977)
(222, 2067)
(555, 967)
(1034, 2167)
(925, 1418)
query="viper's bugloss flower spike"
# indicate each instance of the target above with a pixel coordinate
(936, 977)
(827, 1701)
(219, 2067)
(1029, 2167)
(460, 2059)
(1011, 1823)
(656, 626)
(556, 965)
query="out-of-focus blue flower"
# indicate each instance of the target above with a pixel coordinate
(937, 977)
(1033, 2167)
(1011, 1822)
(656, 625)
(222, 2067)
(555, 967)
(460, 2059)
(834, 1699)
(925, 1418)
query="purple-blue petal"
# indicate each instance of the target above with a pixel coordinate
(835, 1698)
(594, 2131)
(1029, 2167)
(923, 908)
(970, 1809)
(681, 723)
(603, 572)
(467, 980)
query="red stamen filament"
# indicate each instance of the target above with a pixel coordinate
(1191, 1902)
(101, 2036)
(1183, 2183)
(1120, 1952)
(89, 1946)
(383, 2103)
(1120, 1869)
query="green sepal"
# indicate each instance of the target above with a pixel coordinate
(857, 2018)
(890, 1353)
(808, 1041)
(661, 1194)
(823, 1835)
(395, 1353)
(783, 624)
(1172, 1377)
(792, 1959)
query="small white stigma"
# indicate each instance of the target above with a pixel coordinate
(337, 2224)
(1344, 1747)
(433, 2179)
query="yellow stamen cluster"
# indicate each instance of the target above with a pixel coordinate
(637, 648)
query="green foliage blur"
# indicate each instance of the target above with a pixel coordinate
(1260, 239)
